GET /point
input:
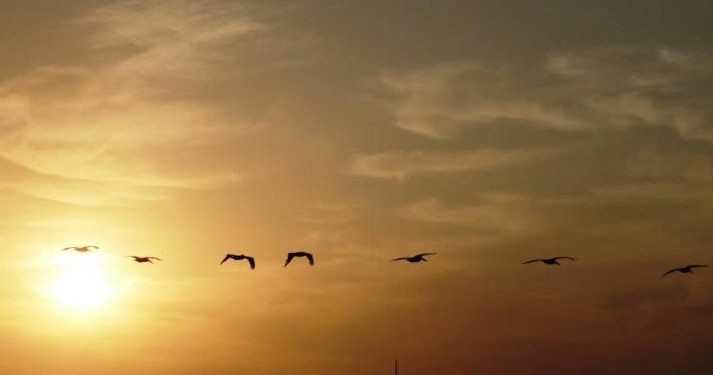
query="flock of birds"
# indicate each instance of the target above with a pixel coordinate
(411, 259)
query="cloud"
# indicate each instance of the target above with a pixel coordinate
(172, 38)
(680, 178)
(403, 165)
(137, 110)
(683, 166)
(622, 87)
(438, 101)
(579, 91)
(494, 212)
(322, 212)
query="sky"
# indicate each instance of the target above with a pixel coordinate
(488, 132)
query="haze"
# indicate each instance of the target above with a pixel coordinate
(488, 132)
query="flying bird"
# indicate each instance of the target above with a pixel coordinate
(250, 259)
(416, 258)
(686, 269)
(549, 261)
(81, 249)
(299, 254)
(143, 259)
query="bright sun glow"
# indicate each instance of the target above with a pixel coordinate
(82, 283)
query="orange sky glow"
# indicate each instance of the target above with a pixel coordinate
(488, 132)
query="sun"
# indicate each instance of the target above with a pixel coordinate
(82, 283)
(85, 290)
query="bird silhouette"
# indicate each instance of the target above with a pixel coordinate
(687, 269)
(299, 254)
(81, 249)
(250, 259)
(138, 259)
(416, 258)
(549, 261)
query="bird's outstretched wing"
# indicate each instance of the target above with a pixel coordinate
(697, 265)
(155, 258)
(92, 246)
(670, 271)
(227, 256)
(423, 254)
(133, 256)
(251, 260)
(402, 258)
(310, 257)
(289, 258)
(70, 248)
(533, 261)
(570, 258)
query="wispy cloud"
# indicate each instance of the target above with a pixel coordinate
(328, 213)
(172, 38)
(493, 212)
(572, 91)
(133, 112)
(403, 165)
(681, 178)
(439, 101)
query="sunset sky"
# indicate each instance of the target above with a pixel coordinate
(487, 131)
